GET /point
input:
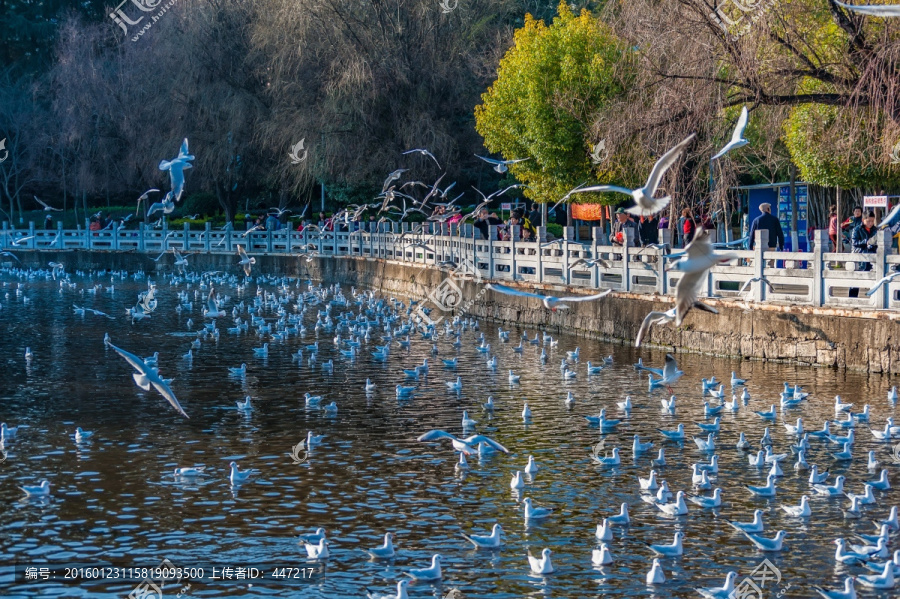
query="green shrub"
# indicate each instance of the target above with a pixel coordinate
(203, 203)
(555, 230)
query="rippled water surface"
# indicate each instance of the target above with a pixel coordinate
(115, 500)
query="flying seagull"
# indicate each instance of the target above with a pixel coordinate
(737, 137)
(699, 258)
(167, 206)
(551, 303)
(501, 166)
(654, 318)
(590, 263)
(762, 280)
(245, 261)
(176, 168)
(469, 445)
(882, 10)
(147, 376)
(645, 203)
(392, 177)
(423, 152)
(46, 207)
(881, 282)
(143, 197)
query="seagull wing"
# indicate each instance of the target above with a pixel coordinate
(132, 359)
(476, 439)
(436, 435)
(686, 294)
(649, 320)
(167, 392)
(738, 135)
(183, 153)
(489, 160)
(586, 298)
(888, 220)
(664, 163)
(510, 291)
(241, 252)
(671, 366)
(746, 285)
(704, 308)
(699, 246)
(875, 11)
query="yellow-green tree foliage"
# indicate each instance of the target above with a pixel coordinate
(817, 137)
(549, 86)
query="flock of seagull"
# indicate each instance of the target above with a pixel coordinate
(359, 320)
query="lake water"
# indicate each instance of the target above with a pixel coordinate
(116, 503)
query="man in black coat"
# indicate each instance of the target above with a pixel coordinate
(770, 223)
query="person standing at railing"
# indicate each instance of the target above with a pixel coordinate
(864, 241)
(623, 221)
(48, 222)
(833, 230)
(483, 220)
(688, 227)
(770, 223)
(649, 230)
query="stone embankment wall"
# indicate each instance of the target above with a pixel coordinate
(854, 339)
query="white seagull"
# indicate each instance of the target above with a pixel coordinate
(147, 376)
(699, 258)
(737, 137)
(432, 573)
(467, 446)
(541, 565)
(501, 166)
(246, 261)
(491, 541)
(645, 203)
(551, 303)
(176, 168)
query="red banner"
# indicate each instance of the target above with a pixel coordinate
(587, 211)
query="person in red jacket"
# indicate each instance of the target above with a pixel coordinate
(690, 227)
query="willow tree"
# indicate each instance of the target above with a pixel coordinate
(541, 107)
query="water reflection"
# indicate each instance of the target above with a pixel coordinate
(115, 496)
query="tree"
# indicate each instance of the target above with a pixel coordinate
(549, 88)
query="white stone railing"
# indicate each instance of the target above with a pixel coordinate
(817, 278)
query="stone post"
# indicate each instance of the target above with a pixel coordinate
(229, 227)
(662, 277)
(628, 233)
(187, 237)
(207, 244)
(60, 242)
(141, 244)
(881, 297)
(596, 242)
(492, 237)
(32, 243)
(541, 239)
(568, 236)
(820, 238)
(760, 245)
